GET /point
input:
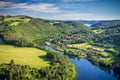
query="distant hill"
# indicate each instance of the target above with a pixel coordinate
(85, 22)
(89, 21)
(110, 35)
(28, 31)
(78, 26)
(106, 23)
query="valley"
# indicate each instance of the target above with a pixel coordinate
(23, 40)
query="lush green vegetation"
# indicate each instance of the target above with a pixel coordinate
(13, 71)
(110, 35)
(100, 45)
(27, 31)
(23, 56)
(24, 31)
(94, 53)
(60, 69)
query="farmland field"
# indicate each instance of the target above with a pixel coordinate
(24, 56)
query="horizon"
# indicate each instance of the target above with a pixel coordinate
(60, 20)
(62, 9)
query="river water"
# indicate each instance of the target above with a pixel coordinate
(85, 70)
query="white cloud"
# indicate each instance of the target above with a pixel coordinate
(76, 0)
(2, 3)
(72, 16)
(49, 11)
(45, 8)
(78, 16)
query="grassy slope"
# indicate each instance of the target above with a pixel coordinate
(24, 56)
(22, 29)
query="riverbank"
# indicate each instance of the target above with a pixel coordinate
(85, 70)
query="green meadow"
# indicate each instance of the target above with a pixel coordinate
(23, 56)
(86, 45)
(16, 19)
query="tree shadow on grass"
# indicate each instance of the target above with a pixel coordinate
(44, 58)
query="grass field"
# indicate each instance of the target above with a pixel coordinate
(26, 20)
(14, 24)
(11, 18)
(81, 46)
(97, 31)
(17, 18)
(24, 56)
(86, 45)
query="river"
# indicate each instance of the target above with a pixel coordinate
(85, 70)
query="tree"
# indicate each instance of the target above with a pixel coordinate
(12, 62)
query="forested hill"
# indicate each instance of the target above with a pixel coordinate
(110, 35)
(106, 23)
(28, 31)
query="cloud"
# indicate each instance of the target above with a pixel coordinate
(72, 16)
(55, 11)
(45, 8)
(78, 16)
(3, 4)
(76, 0)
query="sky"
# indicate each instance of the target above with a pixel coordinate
(63, 9)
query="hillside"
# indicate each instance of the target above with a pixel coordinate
(106, 23)
(27, 31)
(31, 63)
(78, 26)
(23, 31)
(110, 35)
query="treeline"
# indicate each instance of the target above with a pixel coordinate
(13, 71)
(60, 69)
